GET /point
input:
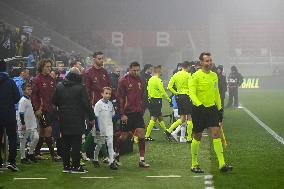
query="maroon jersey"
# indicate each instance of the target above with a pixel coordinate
(96, 80)
(130, 92)
(43, 89)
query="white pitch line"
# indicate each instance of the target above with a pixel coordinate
(198, 176)
(208, 182)
(263, 125)
(164, 176)
(30, 178)
(96, 177)
(208, 177)
(209, 187)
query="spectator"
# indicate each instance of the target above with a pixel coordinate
(73, 104)
(235, 80)
(222, 83)
(9, 96)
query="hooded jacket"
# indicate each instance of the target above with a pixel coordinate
(19, 82)
(73, 104)
(9, 96)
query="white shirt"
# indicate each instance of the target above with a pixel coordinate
(25, 106)
(104, 112)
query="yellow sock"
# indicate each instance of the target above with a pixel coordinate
(219, 151)
(174, 125)
(162, 125)
(189, 130)
(149, 128)
(194, 152)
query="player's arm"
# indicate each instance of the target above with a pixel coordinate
(22, 107)
(162, 90)
(171, 85)
(217, 96)
(36, 101)
(121, 94)
(192, 85)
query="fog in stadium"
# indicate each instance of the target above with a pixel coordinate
(245, 34)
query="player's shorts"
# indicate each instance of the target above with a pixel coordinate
(135, 120)
(204, 117)
(155, 107)
(184, 104)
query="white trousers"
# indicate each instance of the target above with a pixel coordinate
(100, 140)
(23, 136)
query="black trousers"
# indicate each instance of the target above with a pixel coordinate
(71, 145)
(233, 96)
(11, 131)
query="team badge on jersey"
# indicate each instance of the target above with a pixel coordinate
(95, 80)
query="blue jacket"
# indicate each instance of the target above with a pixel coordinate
(174, 102)
(9, 96)
(19, 82)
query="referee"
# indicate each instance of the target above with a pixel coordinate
(178, 85)
(155, 92)
(207, 111)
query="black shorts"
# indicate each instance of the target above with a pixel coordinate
(135, 120)
(155, 107)
(45, 120)
(184, 104)
(204, 117)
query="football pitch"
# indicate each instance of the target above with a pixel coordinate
(257, 157)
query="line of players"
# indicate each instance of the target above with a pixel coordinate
(197, 97)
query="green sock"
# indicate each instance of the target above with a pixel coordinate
(149, 128)
(162, 125)
(194, 152)
(104, 150)
(189, 130)
(174, 125)
(219, 151)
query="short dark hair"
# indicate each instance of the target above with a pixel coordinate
(26, 85)
(157, 67)
(204, 54)
(185, 64)
(42, 63)
(72, 64)
(3, 66)
(133, 64)
(97, 53)
(22, 69)
(147, 66)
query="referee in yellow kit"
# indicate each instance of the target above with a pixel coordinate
(156, 92)
(207, 111)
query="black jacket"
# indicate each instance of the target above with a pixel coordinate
(73, 104)
(9, 96)
(222, 84)
(235, 80)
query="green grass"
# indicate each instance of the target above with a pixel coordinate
(268, 105)
(257, 157)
